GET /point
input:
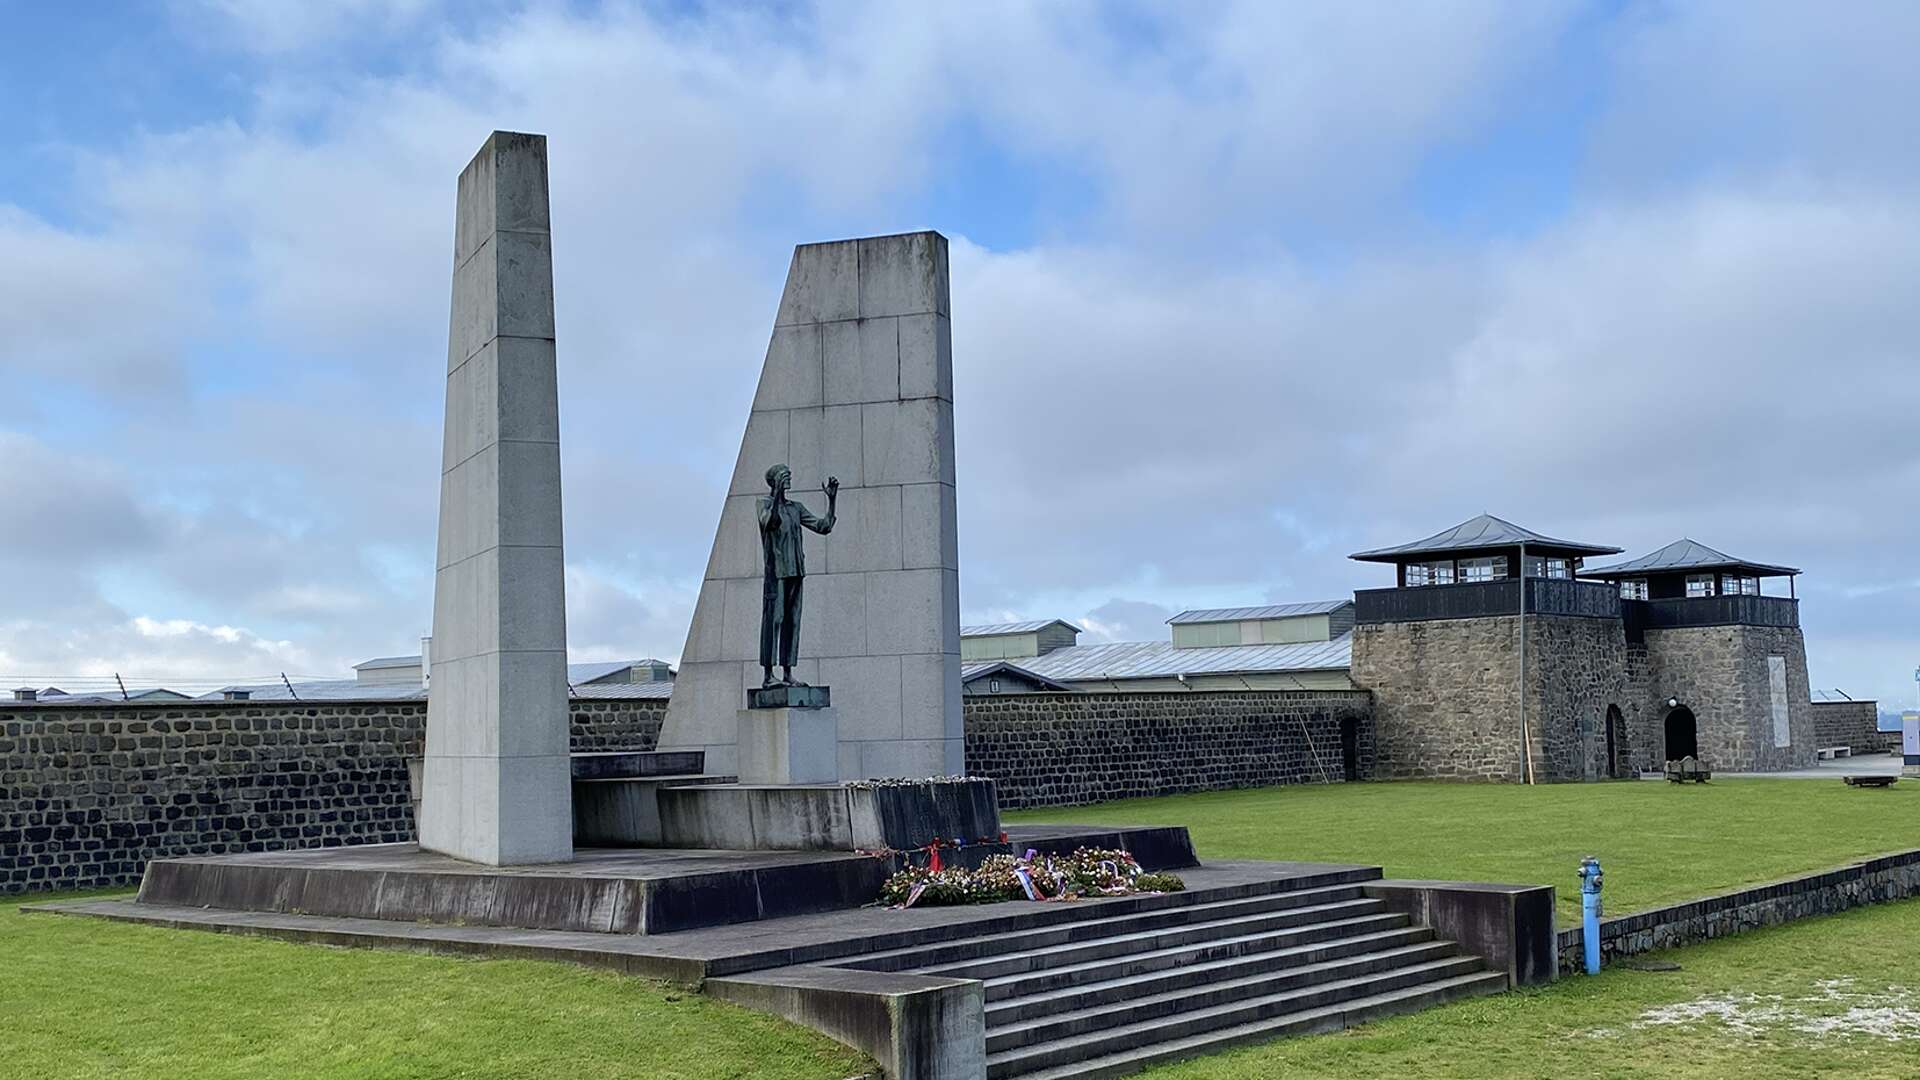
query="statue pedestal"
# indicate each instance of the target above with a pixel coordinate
(790, 697)
(789, 745)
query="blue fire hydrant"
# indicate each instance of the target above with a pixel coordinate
(1590, 913)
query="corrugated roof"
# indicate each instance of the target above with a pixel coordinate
(324, 690)
(1485, 531)
(969, 672)
(1270, 611)
(586, 672)
(1686, 554)
(1159, 659)
(606, 691)
(351, 690)
(599, 669)
(1028, 627)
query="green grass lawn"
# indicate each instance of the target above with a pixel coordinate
(1658, 842)
(84, 998)
(1825, 997)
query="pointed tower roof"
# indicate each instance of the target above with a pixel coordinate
(1480, 534)
(1686, 555)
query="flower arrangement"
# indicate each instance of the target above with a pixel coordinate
(1086, 872)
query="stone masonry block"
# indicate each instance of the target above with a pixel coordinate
(863, 361)
(836, 622)
(792, 376)
(926, 357)
(903, 275)
(525, 281)
(533, 608)
(822, 284)
(740, 623)
(529, 499)
(868, 534)
(905, 611)
(866, 693)
(929, 531)
(765, 445)
(908, 442)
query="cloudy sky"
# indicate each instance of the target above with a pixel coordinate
(1237, 289)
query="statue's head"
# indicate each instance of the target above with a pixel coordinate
(779, 478)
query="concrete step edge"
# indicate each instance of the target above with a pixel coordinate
(1247, 1004)
(1354, 921)
(1211, 977)
(1096, 928)
(1008, 988)
(906, 944)
(1327, 1018)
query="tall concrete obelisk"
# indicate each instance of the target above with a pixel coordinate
(497, 787)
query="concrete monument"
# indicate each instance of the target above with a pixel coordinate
(496, 785)
(858, 384)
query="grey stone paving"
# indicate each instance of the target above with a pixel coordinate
(686, 955)
(1834, 771)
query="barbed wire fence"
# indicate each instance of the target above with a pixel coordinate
(128, 685)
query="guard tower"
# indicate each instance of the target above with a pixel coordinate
(1724, 665)
(1489, 659)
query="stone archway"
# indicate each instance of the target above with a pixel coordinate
(1683, 734)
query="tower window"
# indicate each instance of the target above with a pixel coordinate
(1491, 568)
(1633, 589)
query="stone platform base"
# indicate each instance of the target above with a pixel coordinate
(601, 891)
(829, 817)
(788, 746)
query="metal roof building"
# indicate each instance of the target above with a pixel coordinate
(1004, 677)
(1031, 626)
(1162, 665)
(1270, 611)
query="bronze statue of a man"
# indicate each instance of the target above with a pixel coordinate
(781, 541)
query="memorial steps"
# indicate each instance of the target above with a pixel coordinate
(1116, 991)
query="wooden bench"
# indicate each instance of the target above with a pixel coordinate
(1687, 769)
(1828, 753)
(1869, 781)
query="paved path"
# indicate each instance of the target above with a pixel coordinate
(1865, 765)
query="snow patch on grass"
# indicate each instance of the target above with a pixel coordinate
(1835, 1008)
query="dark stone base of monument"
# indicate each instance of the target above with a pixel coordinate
(893, 816)
(905, 815)
(1153, 847)
(631, 891)
(790, 697)
(624, 811)
(628, 764)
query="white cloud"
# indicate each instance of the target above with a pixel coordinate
(1159, 402)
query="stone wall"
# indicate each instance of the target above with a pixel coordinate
(1445, 697)
(88, 796)
(1875, 881)
(1720, 673)
(1853, 724)
(1575, 670)
(1068, 749)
